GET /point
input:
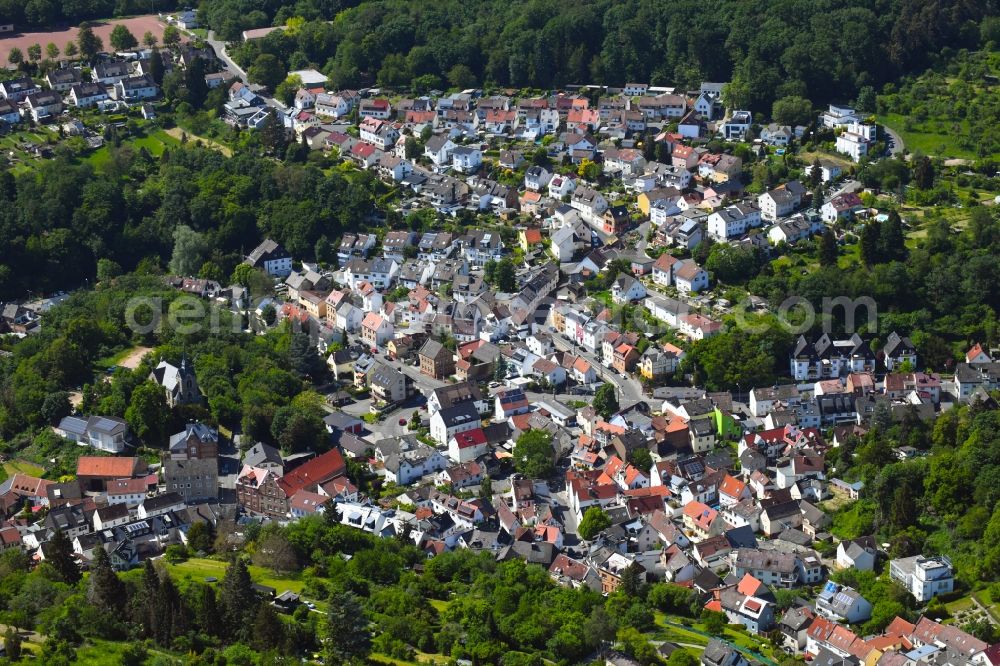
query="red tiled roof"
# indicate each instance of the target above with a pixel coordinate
(318, 470)
(108, 467)
(470, 438)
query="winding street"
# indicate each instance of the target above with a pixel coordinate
(219, 47)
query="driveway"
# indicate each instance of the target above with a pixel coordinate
(894, 142)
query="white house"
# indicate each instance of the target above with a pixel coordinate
(828, 170)
(923, 577)
(561, 186)
(445, 423)
(689, 277)
(466, 159)
(733, 221)
(626, 289)
(536, 178)
(438, 149)
(857, 554)
(43, 105)
(468, 445)
(590, 203)
(136, 88)
(87, 94)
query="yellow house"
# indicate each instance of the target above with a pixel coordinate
(529, 237)
(646, 199)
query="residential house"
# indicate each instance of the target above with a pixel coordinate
(899, 350)
(466, 159)
(447, 422)
(136, 88)
(733, 221)
(191, 467)
(436, 360)
(842, 206)
(272, 258)
(376, 330)
(923, 577)
(44, 105)
(590, 203)
(841, 603)
(105, 433)
(627, 289)
(388, 385)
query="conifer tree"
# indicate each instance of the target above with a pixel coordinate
(59, 554)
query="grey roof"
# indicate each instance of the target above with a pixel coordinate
(463, 412)
(262, 453)
(200, 431)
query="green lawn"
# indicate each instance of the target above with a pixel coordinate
(109, 653)
(929, 139)
(155, 143)
(439, 605)
(197, 569)
(15, 466)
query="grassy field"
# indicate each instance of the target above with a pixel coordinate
(155, 142)
(198, 569)
(931, 137)
(176, 133)
(24, 467)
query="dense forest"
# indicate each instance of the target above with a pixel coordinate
(821, 51)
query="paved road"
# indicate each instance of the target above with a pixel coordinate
(894, 141)
(219, 47)
(629, 390)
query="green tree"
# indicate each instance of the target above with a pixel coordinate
(35, 52)
(190, 250)
(485, 488)
(149, 40)
(714, 621)
(828, 250)
(104, 589)
(122, 38)
(200, 537)
(302, 355)
(171, 36)
(412, 148)
(59, 553)
(506, 280)
(642, 459)
(107, 269)
(286, 89)
(71, 50)
(237, 600)
(866, 99)
(148, 413)
(461, 77)
(792, 111)
(682, 658)
(90, 44)
(15, 56)
(195, 84)
(347, 635)
(268, 631)
(12, 645)
(605, 400)
(923, 173)
(51, 50)
(533, 454)
(869, 243)
(594, 522)
(267, 70)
